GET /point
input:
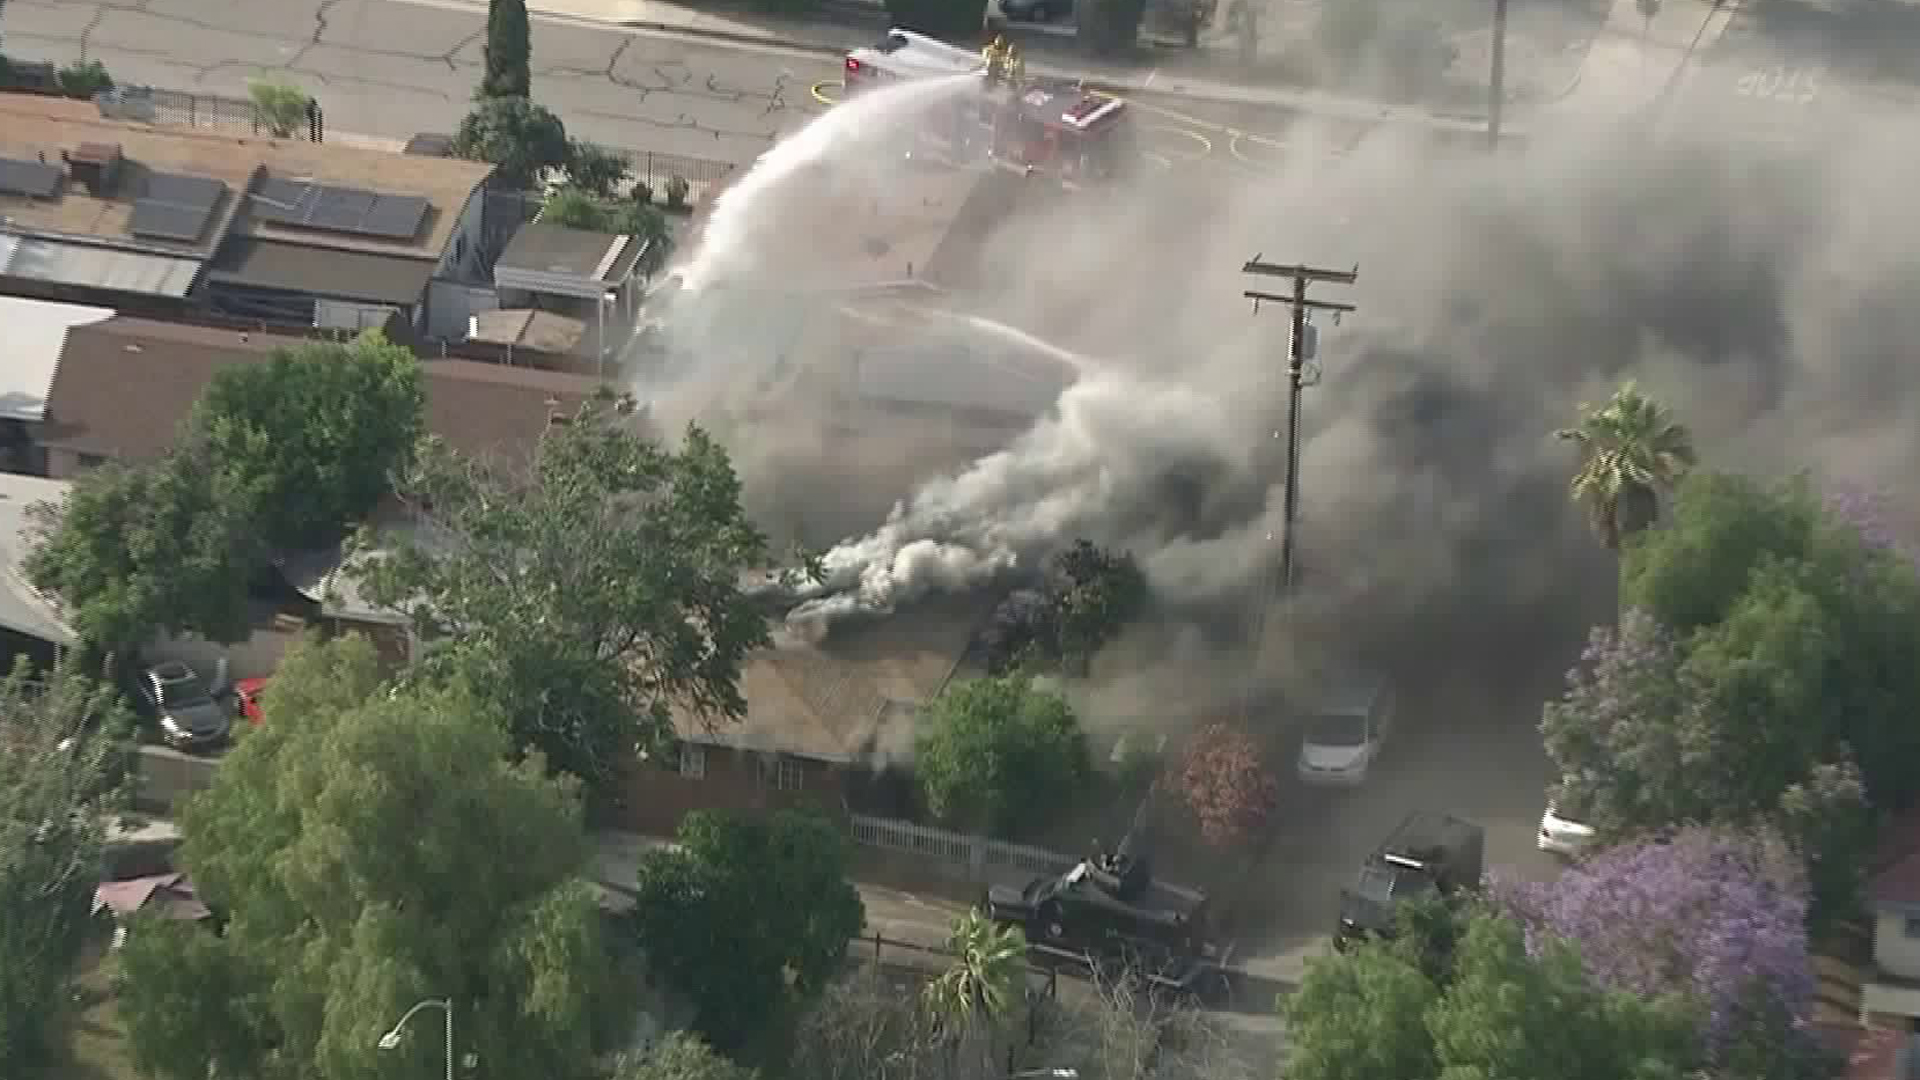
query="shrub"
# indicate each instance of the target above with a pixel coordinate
(282, 108)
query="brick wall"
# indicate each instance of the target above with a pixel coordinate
(654, 798)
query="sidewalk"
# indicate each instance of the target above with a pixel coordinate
(1635, 61)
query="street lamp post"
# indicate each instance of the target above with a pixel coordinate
(392, 1038)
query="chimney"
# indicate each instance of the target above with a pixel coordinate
(96, 166)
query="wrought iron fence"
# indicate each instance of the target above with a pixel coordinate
(158, 105)
(654, 170)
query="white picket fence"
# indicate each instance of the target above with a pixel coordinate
(976, 856)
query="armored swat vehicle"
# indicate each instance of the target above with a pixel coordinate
(1109, 905)
(1429, 853)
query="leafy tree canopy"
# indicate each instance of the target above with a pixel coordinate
(161, 547)
(681, 1056)
(578, 208)
(1717, 916)
(521, 139)
(1372, 1014)
(1089, 595)
(63, 742)
(1225, 782)
(741, 907)
(315, 435)
(1792, 656)
(999, 753)
(587, 596)
(596, 170)
(508, 51)
(354, 843)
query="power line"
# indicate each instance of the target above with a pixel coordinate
(1298, 350)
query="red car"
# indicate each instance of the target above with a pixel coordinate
(246, 695)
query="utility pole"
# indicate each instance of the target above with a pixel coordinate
(1497, 78)
(1302, 276)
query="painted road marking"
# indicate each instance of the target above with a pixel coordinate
(1205, 144)
(821, 93)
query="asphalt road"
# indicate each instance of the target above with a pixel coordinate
(391, 69)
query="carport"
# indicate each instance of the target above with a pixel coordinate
(589, 268)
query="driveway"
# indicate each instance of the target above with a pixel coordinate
(1457, 750)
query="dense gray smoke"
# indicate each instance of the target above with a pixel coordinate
(1766, 294)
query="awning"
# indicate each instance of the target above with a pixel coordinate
(64, 262)
(170, 896)
(321, 272)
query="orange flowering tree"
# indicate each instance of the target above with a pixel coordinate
(1224, 780)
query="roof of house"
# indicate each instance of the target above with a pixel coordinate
(340, 275)
(36, 332)
(32, 126)
(526, 328)
(171, 896)
(125, 384)
(851, 694)
(22, 607)
(1896, 866)
(582, 253)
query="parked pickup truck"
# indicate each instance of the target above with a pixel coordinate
(1428, 853)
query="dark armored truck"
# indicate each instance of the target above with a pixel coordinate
(1110, 908)
(1429, 853)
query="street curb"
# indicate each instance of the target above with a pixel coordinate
(736, 37)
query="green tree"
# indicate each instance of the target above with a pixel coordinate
(520, 139)
(315, 435)
(1095, 594)
(1632, 451)
(162, 547)
(680, 1056)
(983, 983)
(508, 51)
(356, 851)
(283, 107)
(597, 170)
(743, 913)
(577, 209)
(1361, 1016)
(588, 596)
(63, 742)
(1372, 1014)
(1721, 529)
(999, 753)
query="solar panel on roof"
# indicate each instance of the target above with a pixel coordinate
(197, 191)
(158, 220)
(340, 209)
(282, 202)
(396, 217)
(34, 179)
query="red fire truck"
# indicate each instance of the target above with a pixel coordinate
(1047, 127)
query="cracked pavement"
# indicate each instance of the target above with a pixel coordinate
(390, 69)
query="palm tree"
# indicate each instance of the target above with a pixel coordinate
(984, 981)
(1631, 450)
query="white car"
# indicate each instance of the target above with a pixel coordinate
(1562, 835)
(1345, 734)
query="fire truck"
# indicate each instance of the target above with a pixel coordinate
(1046, 127)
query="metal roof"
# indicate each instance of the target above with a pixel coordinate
(22, 608)
(36, 332)
(559, 261)
(63, 262)
(329, 273)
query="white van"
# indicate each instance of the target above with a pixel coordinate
(1345, 731)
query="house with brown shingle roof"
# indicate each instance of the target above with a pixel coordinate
(124, 385)
(165, 219)
(828, 711)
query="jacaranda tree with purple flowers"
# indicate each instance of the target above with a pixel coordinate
(1716, 915)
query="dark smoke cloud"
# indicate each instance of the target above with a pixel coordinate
(1768, 297)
